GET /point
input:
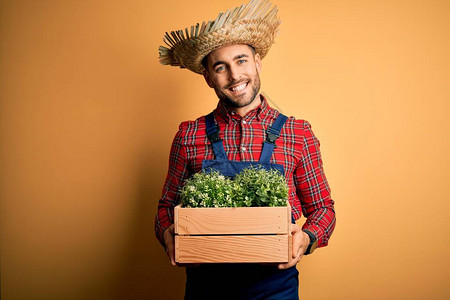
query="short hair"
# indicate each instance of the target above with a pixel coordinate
(205, 59)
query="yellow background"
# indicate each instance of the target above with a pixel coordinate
(88, 115)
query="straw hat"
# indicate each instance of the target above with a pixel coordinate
(253, 24)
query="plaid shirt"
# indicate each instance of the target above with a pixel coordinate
(297, 149)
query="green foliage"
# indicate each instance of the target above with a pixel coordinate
(260, 187)
(254, 186)
(207, 190)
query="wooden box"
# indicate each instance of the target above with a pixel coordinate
(233, 235)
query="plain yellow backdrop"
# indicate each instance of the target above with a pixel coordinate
(88, 115)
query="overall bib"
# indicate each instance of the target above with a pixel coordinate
(241, 281)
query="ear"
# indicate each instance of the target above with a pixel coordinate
(207, 78)
(258, 63)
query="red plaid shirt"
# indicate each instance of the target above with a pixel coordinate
(297, 149)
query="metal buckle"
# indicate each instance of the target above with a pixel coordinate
(271, 137)
(214, 136)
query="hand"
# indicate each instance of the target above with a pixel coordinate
(300, 242)
(169, 241)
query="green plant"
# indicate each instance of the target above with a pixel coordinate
(207, 190)
(253, 186)
(261, 187)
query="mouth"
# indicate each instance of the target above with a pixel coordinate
(236, 89)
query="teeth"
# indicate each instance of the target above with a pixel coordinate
(239, 87)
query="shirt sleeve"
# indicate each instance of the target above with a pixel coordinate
(313, 190)
(176, 175)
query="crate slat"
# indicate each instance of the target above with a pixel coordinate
(230, 249)
(232, 220)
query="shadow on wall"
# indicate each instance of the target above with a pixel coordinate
(145, 271)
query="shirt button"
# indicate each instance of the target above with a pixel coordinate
(244, 149)
(244, 122)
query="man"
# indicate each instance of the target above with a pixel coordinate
(228, 53)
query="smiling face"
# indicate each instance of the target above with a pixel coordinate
(233, 72)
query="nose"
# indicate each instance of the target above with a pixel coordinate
(234, 74)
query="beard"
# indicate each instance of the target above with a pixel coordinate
(242, 100)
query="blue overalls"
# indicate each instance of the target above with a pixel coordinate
(241, 281)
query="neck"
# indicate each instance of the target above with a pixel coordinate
(242, 111)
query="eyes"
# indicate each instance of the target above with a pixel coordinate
(219, 69)
(222, 67)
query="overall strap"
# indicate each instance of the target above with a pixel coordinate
(212, 130)
(272, 133)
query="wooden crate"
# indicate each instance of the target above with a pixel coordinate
(233, 235)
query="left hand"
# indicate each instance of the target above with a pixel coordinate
(300, 242)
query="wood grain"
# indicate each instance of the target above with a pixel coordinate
(230, 248)
(232, 220)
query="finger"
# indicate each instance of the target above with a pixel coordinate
(296, 248)
(171, 254)
(170, 244)
(293, 262)
(297, 239)
(170, 251)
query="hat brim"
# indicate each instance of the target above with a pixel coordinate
(248, 24)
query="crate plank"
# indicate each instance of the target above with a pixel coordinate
(230, 248)
(232, 220)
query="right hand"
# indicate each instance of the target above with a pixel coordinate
(169, 241)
